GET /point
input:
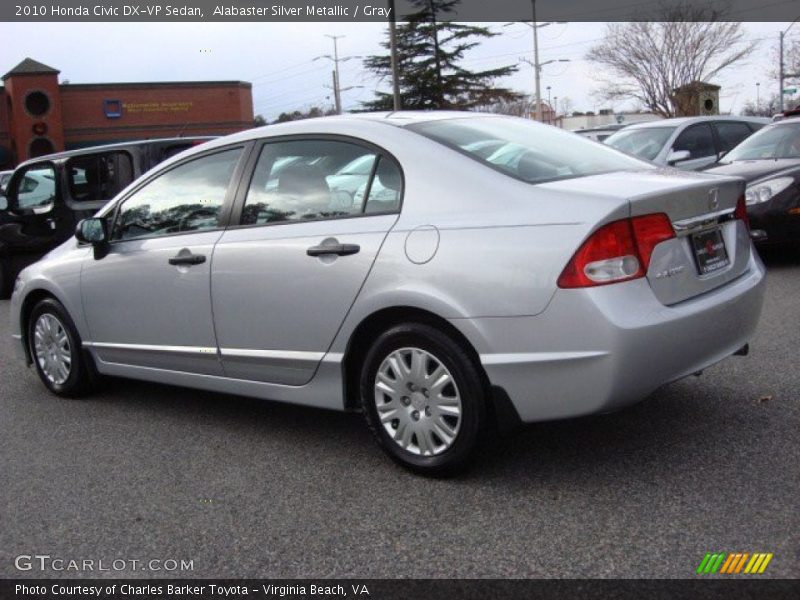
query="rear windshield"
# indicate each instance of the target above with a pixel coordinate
(780, 141)
(645, 143)
(526, 150)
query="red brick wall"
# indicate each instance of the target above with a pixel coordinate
(155, 110)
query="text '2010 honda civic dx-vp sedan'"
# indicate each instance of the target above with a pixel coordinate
(479, 267)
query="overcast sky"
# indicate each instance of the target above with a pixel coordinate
(278, 58)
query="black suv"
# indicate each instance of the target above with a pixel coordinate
(48, 195)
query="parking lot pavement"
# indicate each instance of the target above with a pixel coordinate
(249, 488)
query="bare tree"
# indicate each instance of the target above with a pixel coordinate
(519, 107)
(647, 60)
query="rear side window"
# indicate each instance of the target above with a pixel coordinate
(97, 177)
(731, 133)
(698, 140)
(524, 150)
(320, 179)
(186, 198)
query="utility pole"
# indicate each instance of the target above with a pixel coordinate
(537, 107)
(393, 54)
(337, 96)
(439, 90)
(781, 72)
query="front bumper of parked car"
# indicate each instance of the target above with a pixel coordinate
(598, 349)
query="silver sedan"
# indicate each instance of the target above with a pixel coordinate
(480, 271)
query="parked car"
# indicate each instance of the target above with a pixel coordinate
(48, 195)
(600, 133)
(770, 163)
(688, 143)
(464, 292)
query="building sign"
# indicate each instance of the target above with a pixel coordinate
(157, 107)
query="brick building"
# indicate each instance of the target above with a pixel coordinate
(39, 115)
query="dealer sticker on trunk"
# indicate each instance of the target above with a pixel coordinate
(709, 250)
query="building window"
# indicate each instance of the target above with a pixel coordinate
(37, 103)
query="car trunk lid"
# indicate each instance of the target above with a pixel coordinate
(710, 247)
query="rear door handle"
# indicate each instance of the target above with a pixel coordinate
(340, 249)
(187, 259)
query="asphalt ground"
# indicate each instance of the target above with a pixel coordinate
(246, 488)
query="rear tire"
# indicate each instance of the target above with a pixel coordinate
(56, 350)
(423, 398)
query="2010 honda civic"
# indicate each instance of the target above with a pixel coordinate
(482, 269)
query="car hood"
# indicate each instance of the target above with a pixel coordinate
(752, 170)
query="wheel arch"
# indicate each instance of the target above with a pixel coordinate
(498, 404)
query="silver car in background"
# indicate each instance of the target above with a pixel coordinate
(687, 143)
(484, 270)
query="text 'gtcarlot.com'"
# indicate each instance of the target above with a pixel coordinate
(45, 562)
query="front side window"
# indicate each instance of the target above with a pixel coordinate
(37, 188)
(186, 198)
(319, 179)
(698, 140)
(531, 152)
(97, 177)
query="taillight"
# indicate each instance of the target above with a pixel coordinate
(618, 251)
(741, 211)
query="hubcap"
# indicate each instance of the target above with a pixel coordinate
(52, 349)
(418, 401)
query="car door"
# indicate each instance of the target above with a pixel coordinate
(699, 141)
(286, 274)
(147, 301)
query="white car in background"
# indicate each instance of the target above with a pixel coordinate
(688, 143)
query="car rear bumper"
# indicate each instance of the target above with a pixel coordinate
(598, 349)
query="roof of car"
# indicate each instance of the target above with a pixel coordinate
(678, 121)
(117, 146)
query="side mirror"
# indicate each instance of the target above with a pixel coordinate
(95, 232)
(676, 156)
(91, 231)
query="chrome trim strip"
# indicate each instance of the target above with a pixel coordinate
(701, 221)
(333, 357)
(152, 348)
(274, 354)
(17, 336)
(536, 357)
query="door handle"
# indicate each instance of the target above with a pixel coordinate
(187, 259)
(340, 249)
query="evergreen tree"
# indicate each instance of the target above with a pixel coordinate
(429, 51)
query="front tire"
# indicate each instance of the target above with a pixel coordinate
(423, 398)
(55, 348)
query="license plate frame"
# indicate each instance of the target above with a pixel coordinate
(710, 252)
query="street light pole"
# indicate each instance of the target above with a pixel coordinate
(758, 97)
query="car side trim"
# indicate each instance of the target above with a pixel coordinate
(152, 348)
(275, 354)
(528, 357)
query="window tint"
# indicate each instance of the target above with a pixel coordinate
(731, 133)
(698, 140)
(98, 176)
(186, 198)
(37, 189)
(312, 179)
